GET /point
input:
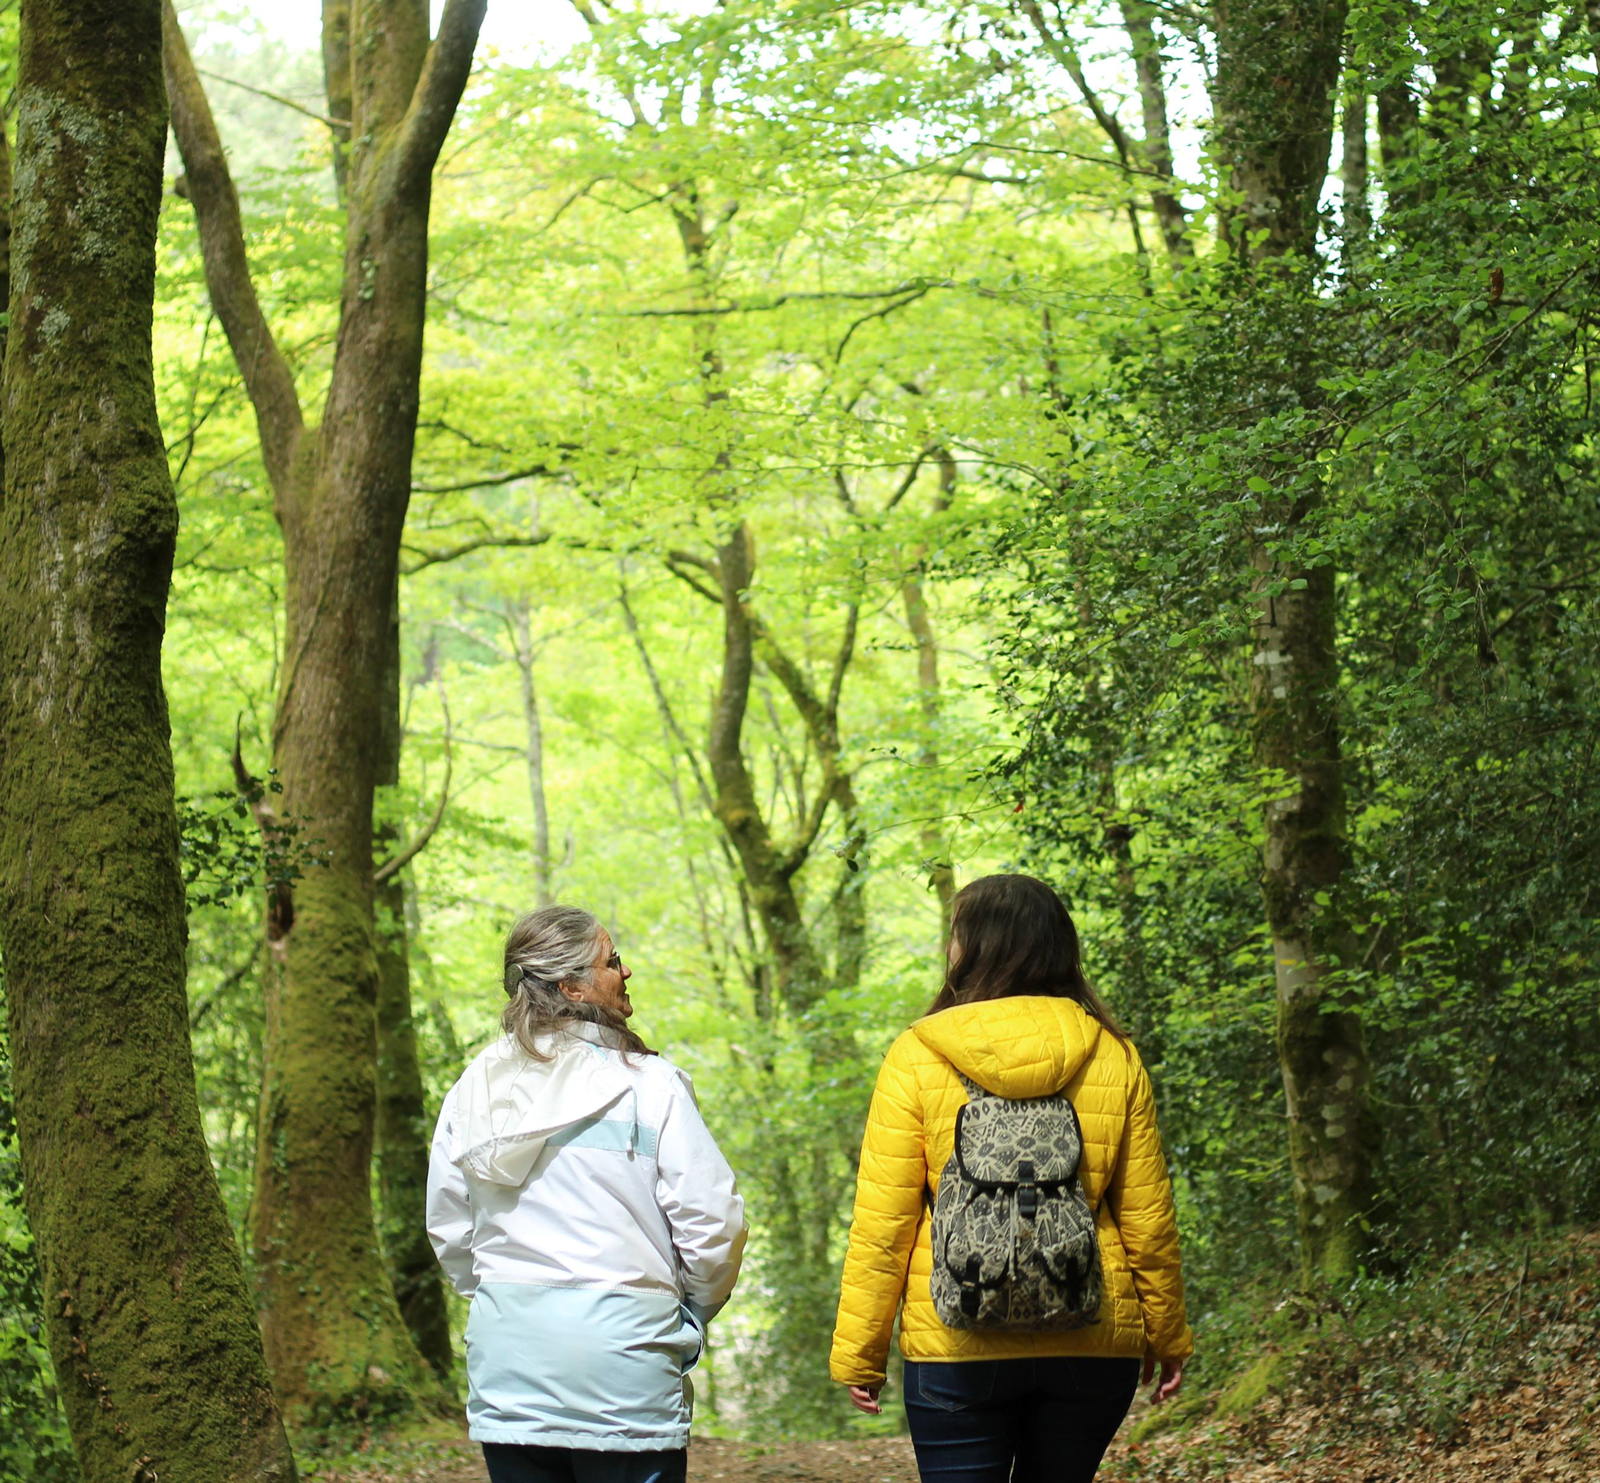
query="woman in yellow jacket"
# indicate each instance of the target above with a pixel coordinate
(1017, 1017)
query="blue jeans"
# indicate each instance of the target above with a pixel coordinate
(510, 1462)
(1016, 1420)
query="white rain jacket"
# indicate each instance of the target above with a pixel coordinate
(584, 1207)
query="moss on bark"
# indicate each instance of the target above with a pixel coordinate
(403, 1134)
(146, 1305)
(334, 1335)
(403, 1139)
(1278, 64)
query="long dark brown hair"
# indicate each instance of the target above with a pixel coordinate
(1010, 934)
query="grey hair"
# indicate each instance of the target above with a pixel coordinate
(546, 948)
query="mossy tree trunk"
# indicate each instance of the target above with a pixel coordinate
(402, 1130)
(334, 1334)
(147, 1309)
(1276, 88)
(402, 1141)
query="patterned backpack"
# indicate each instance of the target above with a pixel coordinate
(1013, 1237)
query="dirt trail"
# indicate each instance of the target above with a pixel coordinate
(1527, 1436)
(1517, 1356)
(879, 1460)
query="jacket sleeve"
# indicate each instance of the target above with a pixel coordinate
(889, 1186)
(696, 1191)
(449, 1209)
(1140, 1201)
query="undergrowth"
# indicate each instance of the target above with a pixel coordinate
(1503, 1333)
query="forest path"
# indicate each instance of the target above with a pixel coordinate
(875, 1460)
(1545, 1435)
(1507, 1376)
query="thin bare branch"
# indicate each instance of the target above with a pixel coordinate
(426, 559)
(405, 856)
(489, 481)
(209, 185)
(246, 87)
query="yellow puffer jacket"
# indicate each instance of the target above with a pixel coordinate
(1017, 1047)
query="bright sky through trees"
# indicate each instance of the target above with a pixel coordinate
(514, 28)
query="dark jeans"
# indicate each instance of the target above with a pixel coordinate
(1016, 1420)
(510, 1463)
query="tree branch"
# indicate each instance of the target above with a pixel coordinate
(675, 562)
(821, 720)
(915, 288)
(438, 91)
(489, 481)
(466, 548)
(669, 718)
(883, 313)
(1156, 148)
(404, 857)
(233, 978)
(338, 83)
(267, 93)
(267, 378)
(1067, 54)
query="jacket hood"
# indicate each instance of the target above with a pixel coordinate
(508, 1105)
(1025, 1046)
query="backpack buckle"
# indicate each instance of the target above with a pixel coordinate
(1027, 1191)
(969, 1286)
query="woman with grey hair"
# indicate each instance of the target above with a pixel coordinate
(576, 1196)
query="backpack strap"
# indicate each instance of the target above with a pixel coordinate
(974, 1094)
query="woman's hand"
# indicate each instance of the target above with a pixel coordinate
(865, 1398)
(1171, 1377)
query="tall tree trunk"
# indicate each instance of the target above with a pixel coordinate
(1355, 197)
(1277, 75)
(1156, 146)
(936, 847)
(522, 642)
(334, 1335)
(941, 872)
(798, 967)
(403, 1135)
(402, 1129)
(147, 1310)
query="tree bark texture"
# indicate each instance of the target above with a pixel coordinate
(1277, 77)
(1156, 147)
(1355, 196)
(334, 1334)
(403, 1132)
(522, 641)
(403, 1136)
(941, 869)
(800, 975)
(1277, 71)
(147, 1309)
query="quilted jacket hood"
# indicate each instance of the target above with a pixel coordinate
(1025, 1046)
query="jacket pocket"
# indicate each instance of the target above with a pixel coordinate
(693, 1338)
